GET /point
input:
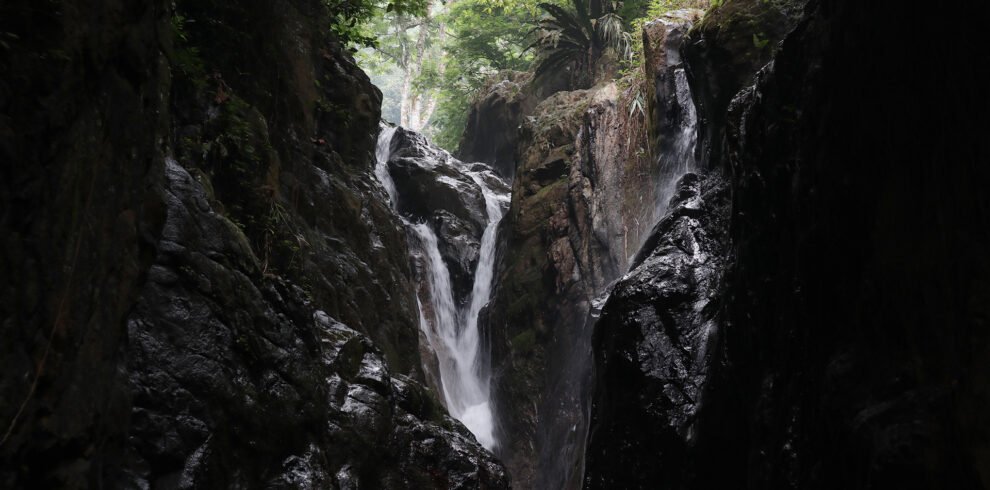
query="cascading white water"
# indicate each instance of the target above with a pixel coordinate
(677, 157)
(683, 150)
(382, 150)
(453, 333)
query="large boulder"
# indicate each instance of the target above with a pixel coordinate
(492, 130)
(653, 345)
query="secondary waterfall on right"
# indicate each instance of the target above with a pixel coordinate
(676, 154)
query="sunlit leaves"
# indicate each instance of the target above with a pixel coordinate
(349, 18)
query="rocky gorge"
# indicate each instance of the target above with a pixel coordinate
(757, 259)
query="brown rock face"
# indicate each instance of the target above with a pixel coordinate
(588, 188)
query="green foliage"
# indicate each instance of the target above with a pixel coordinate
(186, 57)
(575, 37)
(758, 42)
(486, 37)
(463, 44)
(467, 43)
(349, 18)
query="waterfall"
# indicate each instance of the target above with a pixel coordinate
(453, 333)
(382, 150)
(687, 138)
(677, 157)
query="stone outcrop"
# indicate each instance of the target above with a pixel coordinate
(205, 286)
(225, 370)
(81, 117)
(730, 44)
(491, 134)
(434, 187)
(540, 285)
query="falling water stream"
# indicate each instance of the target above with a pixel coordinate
(677, 157)
(453, 332)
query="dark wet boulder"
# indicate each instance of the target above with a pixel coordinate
(428, 179)
(492, 130)
(653, 344)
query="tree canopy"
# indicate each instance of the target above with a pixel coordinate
(430, 57)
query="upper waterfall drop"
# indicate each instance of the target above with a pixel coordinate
(452, 329)
(677, 157)
(382, 150)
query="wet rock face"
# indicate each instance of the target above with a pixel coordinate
(199, 304)
(230, 370)
(492, 131)
(540, 284)
(668, 96)
(859, 293)
(81, 115)
(276, 159)
(434, 187)
(654, 342)
(725, 50)
(589, 186)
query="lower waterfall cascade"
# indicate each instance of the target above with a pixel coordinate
(453, 332)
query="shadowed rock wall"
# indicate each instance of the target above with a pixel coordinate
(190, 218)
(851, 320)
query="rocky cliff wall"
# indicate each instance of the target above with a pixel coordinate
(586, 192)
(850, 316)
(190, 220)
(82, 173)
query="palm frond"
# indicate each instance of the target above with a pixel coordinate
(571, 37)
